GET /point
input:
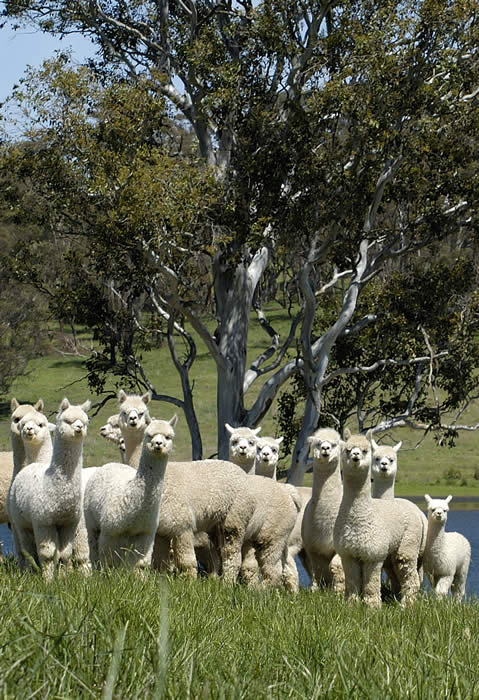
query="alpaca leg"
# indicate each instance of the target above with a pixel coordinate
(142, 552)
(443, 585)
(352, 578)
(80, 549)
(372, 583)
(25, 549)
(270, 563)
(290, 572)
(322, 573)
(337, 574)
(459, 584)
(231, 542)
(406, 571)
(185, 558)
(46, 539)
(249, 572)
(66, 535)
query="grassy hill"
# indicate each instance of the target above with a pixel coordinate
(423, 466)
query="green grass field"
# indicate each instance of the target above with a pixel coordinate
(423, 467)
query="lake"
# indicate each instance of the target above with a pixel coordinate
(464, 521)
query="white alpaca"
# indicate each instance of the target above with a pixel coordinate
(267, 456)
(45, 501)
(112, 431)
(384, 470)
(134, 417)
(368, 531)
(321, 512)
(122, 504)
(242, 447)
(448, 554)
(12, 462)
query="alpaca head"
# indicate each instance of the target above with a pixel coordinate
(437, 508)
(356, 453)
(267, 451)
(384, 461)
(326, 446)
(19, 411)
(72, 420)
(111, 426)
(134, 411)
(159, 436)
(242, 446)
(34, 428)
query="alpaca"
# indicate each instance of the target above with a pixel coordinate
(242, 447)
(112, 431)
(134, 417)
(45, 500)
(12, 462)
(267, 456)
(321, 512)
(367, 531)
(122, 504)
(384, 470)
(448, 554)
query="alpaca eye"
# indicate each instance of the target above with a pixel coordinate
(251, 442)
(234, 441)
(16, 420)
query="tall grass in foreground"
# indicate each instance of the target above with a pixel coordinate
(120, 635)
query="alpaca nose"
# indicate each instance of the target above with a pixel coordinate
(77, 426)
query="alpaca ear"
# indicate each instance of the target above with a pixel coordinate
(146, 398)
(86, 406)
(64, 404)
(121, 396)
(374, 444)
(173, 421)
(148, 418)
(448, 498)
(39, 406)
(311, 440)
(280, 439)
(347, 433)
(369, 435)
(229, 428)
(427, 498)
(256, 430)
(14, 404)
(397, 447)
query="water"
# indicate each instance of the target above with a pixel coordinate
(463, 521)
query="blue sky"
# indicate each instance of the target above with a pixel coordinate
(28, 47)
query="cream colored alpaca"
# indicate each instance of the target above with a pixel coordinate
(45, 500)
(242, 447)
(112, 431)
(267, 456)
(321, 512)
(448, 554)
(134, 417)
(368, 531)
(122, 504)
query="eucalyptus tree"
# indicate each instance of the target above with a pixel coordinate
(340, 136)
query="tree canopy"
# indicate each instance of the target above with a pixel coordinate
(213, 150)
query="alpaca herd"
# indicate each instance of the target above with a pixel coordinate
(229, 518)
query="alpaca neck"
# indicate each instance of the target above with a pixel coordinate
(149, 479)
(357, 490)
(382, 488)
(67, 458)
(133, 447)
(435, 534)
(326, 485)
(41, 452)
(19, 455)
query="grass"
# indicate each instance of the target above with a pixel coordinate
(423, 468)
(119, 635)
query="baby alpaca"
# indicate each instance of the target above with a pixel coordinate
(448, 554)
(122, 504)
(368, 531)
(267, 456)
(242, 447)
(134, 418)
(45, 500)
(321, 512)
